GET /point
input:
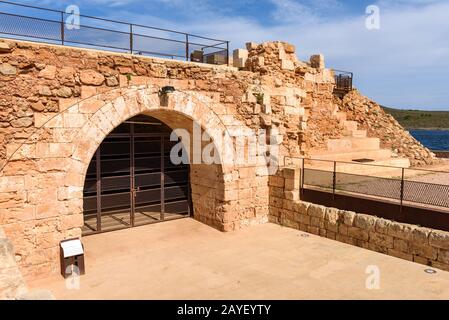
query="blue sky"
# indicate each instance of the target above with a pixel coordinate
(404, 64)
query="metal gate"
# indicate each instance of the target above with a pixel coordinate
(131, 180)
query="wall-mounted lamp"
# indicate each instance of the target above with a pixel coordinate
(163, 95)
(166, 90)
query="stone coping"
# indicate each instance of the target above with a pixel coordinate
(127, 55)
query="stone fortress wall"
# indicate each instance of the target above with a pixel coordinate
(58, 103)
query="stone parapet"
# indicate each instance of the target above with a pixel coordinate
(410, 242)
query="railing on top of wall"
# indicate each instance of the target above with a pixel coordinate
(343, 81)
(26, 22)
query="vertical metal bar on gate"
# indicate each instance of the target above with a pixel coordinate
(62, 28)
(131, 39)
(98, 187)
(162, 216)
(402, 191)
(334, 180)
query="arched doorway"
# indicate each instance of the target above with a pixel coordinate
(131, 180)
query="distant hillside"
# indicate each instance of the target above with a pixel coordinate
(420, 119)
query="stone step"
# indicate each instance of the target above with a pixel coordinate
(376, 155)
(396, 162)
(350, 125)
(355, 133)
(352, 144)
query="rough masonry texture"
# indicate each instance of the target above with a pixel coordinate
(12, 284)
(375, 120)
(410, 242)
(57, 104)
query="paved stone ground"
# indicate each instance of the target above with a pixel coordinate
(185, 259)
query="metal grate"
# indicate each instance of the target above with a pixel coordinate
(426, 193)
(17, 25)
(368, 185)
(318, 178)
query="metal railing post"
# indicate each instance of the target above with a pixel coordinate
(62, 28)
(402, 191)
(303, 171)
(131, 39)
(334, 182)
(351, 81)
(187, 47)
(227, 53)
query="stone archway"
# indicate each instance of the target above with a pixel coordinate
(208, 183)
(46, 203)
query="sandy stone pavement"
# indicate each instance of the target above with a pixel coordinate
(185, 259)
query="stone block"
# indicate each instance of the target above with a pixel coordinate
(317, 222)
(73, 120)
(347, 217)
(364, 221)
(425, 251)
(400, 254)
(331, 215)
(400, 230)
(317, 61)
(251, 46)
(381, 240)
(291, 195)
(303, 219)
(421, 236)
(313, 230)
(88, 91)
(358, 233)
(292, 184)
(439, 239)
(239, 58)
(400, 245)
(7, 70)
(289, 48)
(343, 229)
(331, 235)
(382, 226)
(5, 47)
(91, 77)
(421, 260)
(317, 211)
(443, 256)
(49, 72)
(65, 104)
(345, 239)
(90, 105)
(331, 226)
(287, 65)
(301, 207)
